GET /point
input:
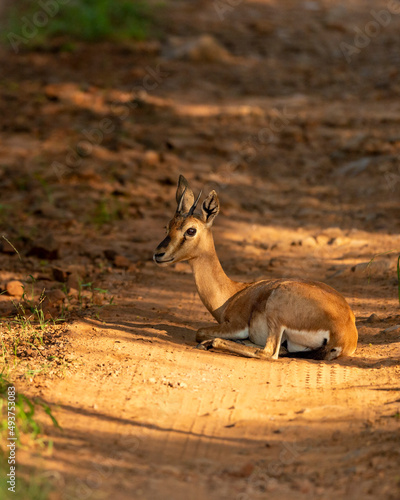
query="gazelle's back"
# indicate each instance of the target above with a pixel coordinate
(310, 312)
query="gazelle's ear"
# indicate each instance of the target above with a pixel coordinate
(184, 196)
(210, 208)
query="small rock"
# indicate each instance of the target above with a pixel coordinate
(276, 262)
(97, 298)
(310, 241)
(205, 48)
(392, 329)
(59, 274)
(338, 241)
(74, 281)
(184, 143)
(92, 252)
(52, 302)
(45, 248)
(356, 167)
(73, 293)
(55, 296)
(374, 318)
(322, 239)
(140, 238)
(245, 471)
(87, 294)
(133, 268)
(151, 158)
(6, 309)
(264, 26)
(110, 254)
(122, 262)
(356, 142)
(15, 288)
(303, 485)
(42, 277)
(271, 485)
(48, 210)
(170, 471)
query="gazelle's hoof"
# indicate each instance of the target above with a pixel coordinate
(206, 345)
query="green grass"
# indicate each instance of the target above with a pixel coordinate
(28, 434)
(37, 487)
(25, 415)
(29, 329)
(89, 287)
(30, 316)
(88, 20)
(107, 210)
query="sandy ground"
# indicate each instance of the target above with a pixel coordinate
(302, 147)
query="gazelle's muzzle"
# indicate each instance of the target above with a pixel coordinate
(159, 254)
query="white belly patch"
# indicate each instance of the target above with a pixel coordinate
(303, 340)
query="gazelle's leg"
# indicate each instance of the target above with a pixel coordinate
(269, 330)
(221, 336)
(273, 345)
(229, 331)
(240, 349)
(270, 351)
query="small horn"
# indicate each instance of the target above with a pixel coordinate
(193, 208)
(178, 210)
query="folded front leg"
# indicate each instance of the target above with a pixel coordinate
(221, 336)
(247, 351)
(227, 330)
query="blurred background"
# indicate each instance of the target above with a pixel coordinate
(289, 109)
(280, 103)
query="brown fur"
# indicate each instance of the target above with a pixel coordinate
(263, 309)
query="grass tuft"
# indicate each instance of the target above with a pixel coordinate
(87, 20)
(26, 425)
(27, 430)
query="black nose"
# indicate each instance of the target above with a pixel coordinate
(159, 255)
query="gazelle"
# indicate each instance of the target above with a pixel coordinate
(310, 318)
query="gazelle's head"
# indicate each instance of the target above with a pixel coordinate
(188, 233)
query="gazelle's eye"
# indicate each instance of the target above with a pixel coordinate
(191, 231)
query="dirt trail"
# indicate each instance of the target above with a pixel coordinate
(302, 147)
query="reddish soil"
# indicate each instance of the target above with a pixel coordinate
(303, 148)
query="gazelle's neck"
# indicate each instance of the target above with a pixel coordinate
(213, 285)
